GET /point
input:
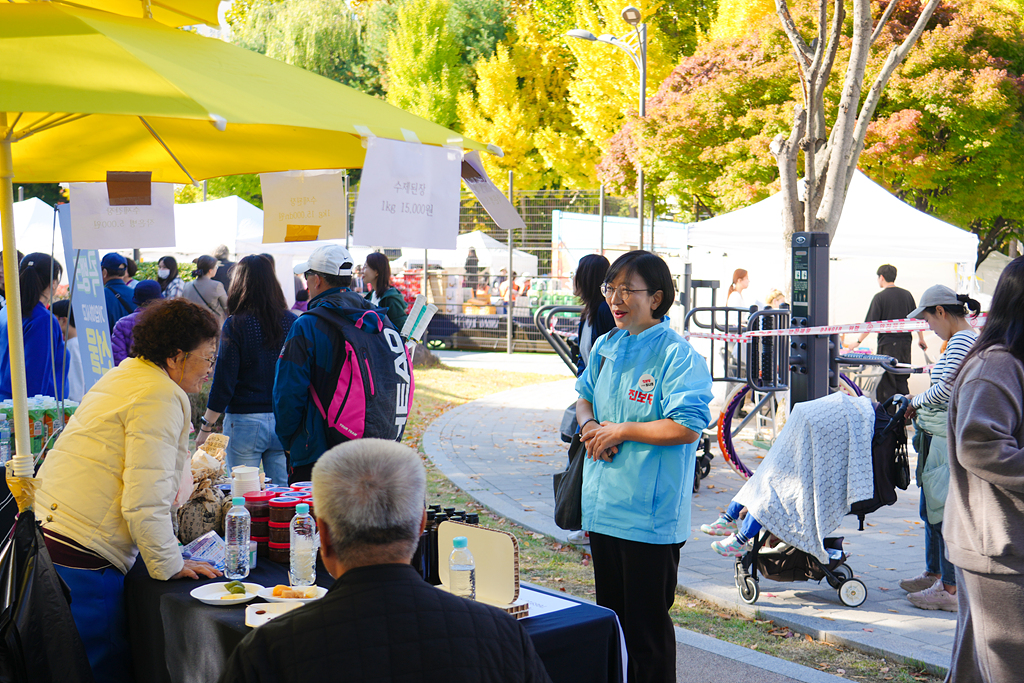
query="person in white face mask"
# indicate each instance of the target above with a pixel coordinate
(167, 275)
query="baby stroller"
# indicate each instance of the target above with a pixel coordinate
(779, 561)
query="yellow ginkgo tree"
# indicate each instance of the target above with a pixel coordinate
(520, 104)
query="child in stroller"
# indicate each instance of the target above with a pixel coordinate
(802, 496)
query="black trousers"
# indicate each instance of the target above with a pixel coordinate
(891, 384)
(638, 582)
(300, 473)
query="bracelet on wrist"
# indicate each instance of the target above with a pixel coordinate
(206, 430)
(593, 419)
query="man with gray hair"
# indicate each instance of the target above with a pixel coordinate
(380, 621)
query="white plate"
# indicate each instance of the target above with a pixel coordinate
(253, 618)
(211, 593)
(268, 594)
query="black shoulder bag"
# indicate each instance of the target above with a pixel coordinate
(568, 485)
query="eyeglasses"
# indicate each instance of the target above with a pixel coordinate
(209, 361)
(623, 291)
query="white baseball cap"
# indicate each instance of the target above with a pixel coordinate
(330, 259)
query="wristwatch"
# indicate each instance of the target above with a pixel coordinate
(205, 423)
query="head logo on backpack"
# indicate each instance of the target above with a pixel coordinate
(369, 391)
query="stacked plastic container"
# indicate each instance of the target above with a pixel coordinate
(258, 505)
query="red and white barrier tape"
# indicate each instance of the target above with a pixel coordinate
(884, 326)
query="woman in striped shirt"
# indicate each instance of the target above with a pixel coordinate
(946, 313)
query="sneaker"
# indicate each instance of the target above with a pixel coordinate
(730, 547)
(918, 583)
(935, 597)
(579, 538)
(723, 526)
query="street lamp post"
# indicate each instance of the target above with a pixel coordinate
(638, 53)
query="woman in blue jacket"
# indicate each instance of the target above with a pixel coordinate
(643, 403)
(46, 361)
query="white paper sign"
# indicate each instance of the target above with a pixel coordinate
(302, 206)
(95, 224)
(498, 207)
(408, 196)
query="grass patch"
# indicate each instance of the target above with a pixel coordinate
(549, 563)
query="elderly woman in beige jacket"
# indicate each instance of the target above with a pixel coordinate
(106, 488)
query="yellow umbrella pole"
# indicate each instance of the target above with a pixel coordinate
(12, 286)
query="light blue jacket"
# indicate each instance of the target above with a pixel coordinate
(644, 493)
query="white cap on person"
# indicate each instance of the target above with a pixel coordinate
(329, 259)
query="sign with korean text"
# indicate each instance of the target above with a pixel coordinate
(408, 196)
(498, 207)
(85, 284)
(302, 206)
(96, 224)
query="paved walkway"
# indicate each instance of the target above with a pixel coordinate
(503, 449)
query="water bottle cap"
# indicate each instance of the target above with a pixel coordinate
(460, 542)
(302, 509)
(238, 500)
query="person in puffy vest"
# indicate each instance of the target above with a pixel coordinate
(121, 338)
(308, 348)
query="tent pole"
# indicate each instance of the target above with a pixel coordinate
(511, 282)
(12, 286)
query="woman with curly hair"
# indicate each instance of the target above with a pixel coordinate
(109, 483)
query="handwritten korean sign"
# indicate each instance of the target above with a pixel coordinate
(95, 224)
(408, 196)
(302, 206)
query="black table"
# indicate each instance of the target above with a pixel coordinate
(177, 639)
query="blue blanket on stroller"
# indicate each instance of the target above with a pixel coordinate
(819, 465)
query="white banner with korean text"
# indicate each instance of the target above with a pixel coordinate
(408, 196)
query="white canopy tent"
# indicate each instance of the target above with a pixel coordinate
(36, 229)
(876, 228)
(492, 255)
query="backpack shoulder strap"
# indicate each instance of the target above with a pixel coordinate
(120, 300)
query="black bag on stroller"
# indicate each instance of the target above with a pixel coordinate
(889, 461)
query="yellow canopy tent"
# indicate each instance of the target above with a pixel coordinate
(169, 12)
(83, 92)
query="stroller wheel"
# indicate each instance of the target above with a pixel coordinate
(853, 592)
(696, 478)
(843, 574)
(750, 591)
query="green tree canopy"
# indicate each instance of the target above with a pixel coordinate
(947, 135)
(425, 71)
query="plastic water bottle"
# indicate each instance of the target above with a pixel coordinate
(303, 547)
(236, 536)
(462, 570)
(5, 440)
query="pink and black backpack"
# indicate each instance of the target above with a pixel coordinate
(368, 392)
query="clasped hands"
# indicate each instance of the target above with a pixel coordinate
(601, 441)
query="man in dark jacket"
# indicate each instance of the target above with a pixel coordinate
(309, 346)
(118, 295)
(381, 621)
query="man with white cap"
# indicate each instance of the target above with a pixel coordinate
(311, 348)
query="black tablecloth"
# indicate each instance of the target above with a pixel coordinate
(177, 639)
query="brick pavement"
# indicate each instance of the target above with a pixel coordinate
(503, 449)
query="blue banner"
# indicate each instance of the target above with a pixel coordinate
(85, 286)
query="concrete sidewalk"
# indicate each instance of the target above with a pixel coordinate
(503, 449)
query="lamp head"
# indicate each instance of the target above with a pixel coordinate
(582, 34)
(631, 15)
